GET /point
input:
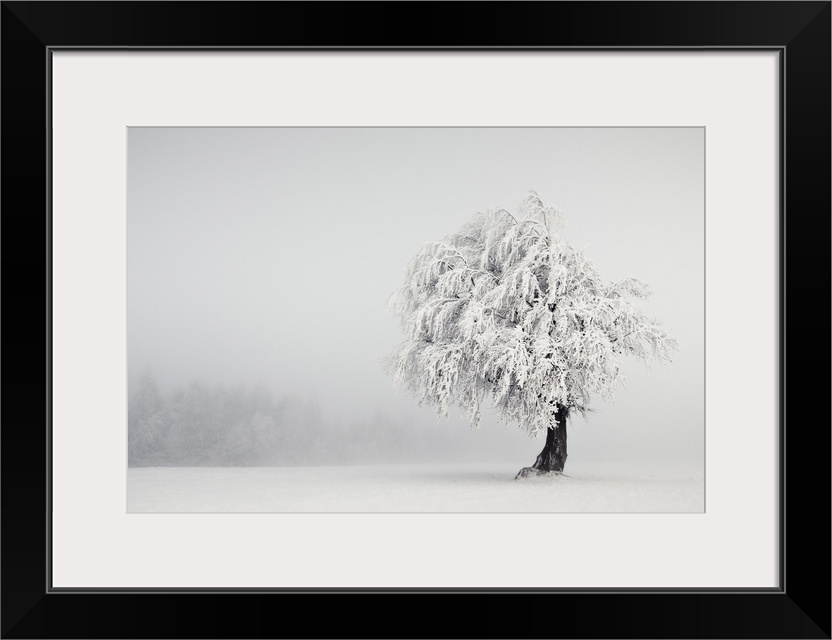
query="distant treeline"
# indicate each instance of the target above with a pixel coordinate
(201, 425)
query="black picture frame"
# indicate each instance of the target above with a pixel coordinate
(798, 608)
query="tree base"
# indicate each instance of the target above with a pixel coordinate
(526, 472)
(553, 457)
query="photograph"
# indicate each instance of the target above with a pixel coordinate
(416, 319)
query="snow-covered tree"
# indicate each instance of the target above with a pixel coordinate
(145, 423)
(507, 310)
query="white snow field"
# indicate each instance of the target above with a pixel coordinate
(424, 488)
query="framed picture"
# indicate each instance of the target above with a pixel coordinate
(208, 203)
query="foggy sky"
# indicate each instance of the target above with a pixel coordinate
(268, 255)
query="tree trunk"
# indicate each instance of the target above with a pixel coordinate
(553, 456)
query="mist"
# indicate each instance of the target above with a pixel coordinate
(260, 262)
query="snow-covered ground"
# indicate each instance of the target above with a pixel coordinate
(480, 487)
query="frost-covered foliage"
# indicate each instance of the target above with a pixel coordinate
(507, 309)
